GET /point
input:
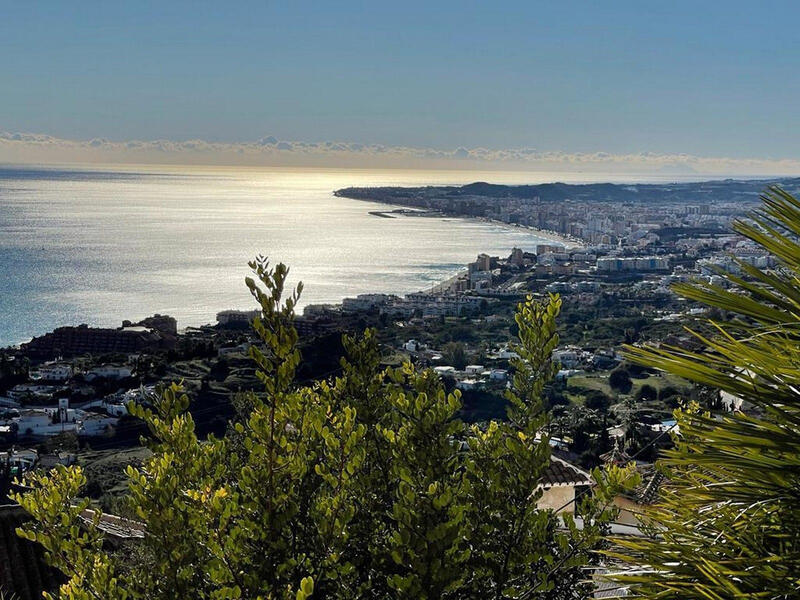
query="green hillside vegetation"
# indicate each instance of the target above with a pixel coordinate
(599, 381)
(365, 485)
(368, 485)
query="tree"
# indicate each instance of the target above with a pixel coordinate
(455, 354)
(361, 486)
(647, 392)
(728, 523)
(597, 400)
(620, 380)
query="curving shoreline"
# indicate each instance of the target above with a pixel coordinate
(552, 236)
(412, 210)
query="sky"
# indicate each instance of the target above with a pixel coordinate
(668, 83)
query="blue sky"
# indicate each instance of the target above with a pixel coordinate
(703, 78)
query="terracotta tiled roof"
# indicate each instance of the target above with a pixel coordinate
(616, 457)
(560, 472)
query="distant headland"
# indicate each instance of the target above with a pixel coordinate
(586, 213)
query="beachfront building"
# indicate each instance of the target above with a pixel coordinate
(74, 341)
(639, 263)
(236, 317)
(367, 302)
(433, 305)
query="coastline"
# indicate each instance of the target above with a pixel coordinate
(569, 242)
(439, 288)
(161, 287)
(409, 210)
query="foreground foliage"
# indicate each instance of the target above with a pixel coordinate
(363, 486)
(728, 524)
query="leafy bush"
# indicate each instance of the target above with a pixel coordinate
(597, 400)
(362, 486)
(647, 392)
(620, 380)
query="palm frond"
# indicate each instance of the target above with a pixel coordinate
(727, 524)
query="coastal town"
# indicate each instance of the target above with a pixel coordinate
(64, 396)
(403, 301)
(613, 269)
(601, 215)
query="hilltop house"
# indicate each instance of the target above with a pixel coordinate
(561, 483)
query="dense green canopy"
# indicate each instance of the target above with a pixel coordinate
(362, 486)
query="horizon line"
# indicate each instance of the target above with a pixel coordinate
(269, 152)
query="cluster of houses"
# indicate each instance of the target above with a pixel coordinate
(572, 360)
(418, 303)
(41, 407)
(46, 421)
(473, 376)
(16, 461)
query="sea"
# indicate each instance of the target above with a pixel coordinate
(102, 244)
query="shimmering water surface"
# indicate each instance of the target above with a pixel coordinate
(102, 245)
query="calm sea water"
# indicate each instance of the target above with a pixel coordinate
(99, 246)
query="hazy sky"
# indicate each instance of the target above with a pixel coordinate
(708, 78)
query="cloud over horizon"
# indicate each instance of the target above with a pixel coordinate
(269, 151)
